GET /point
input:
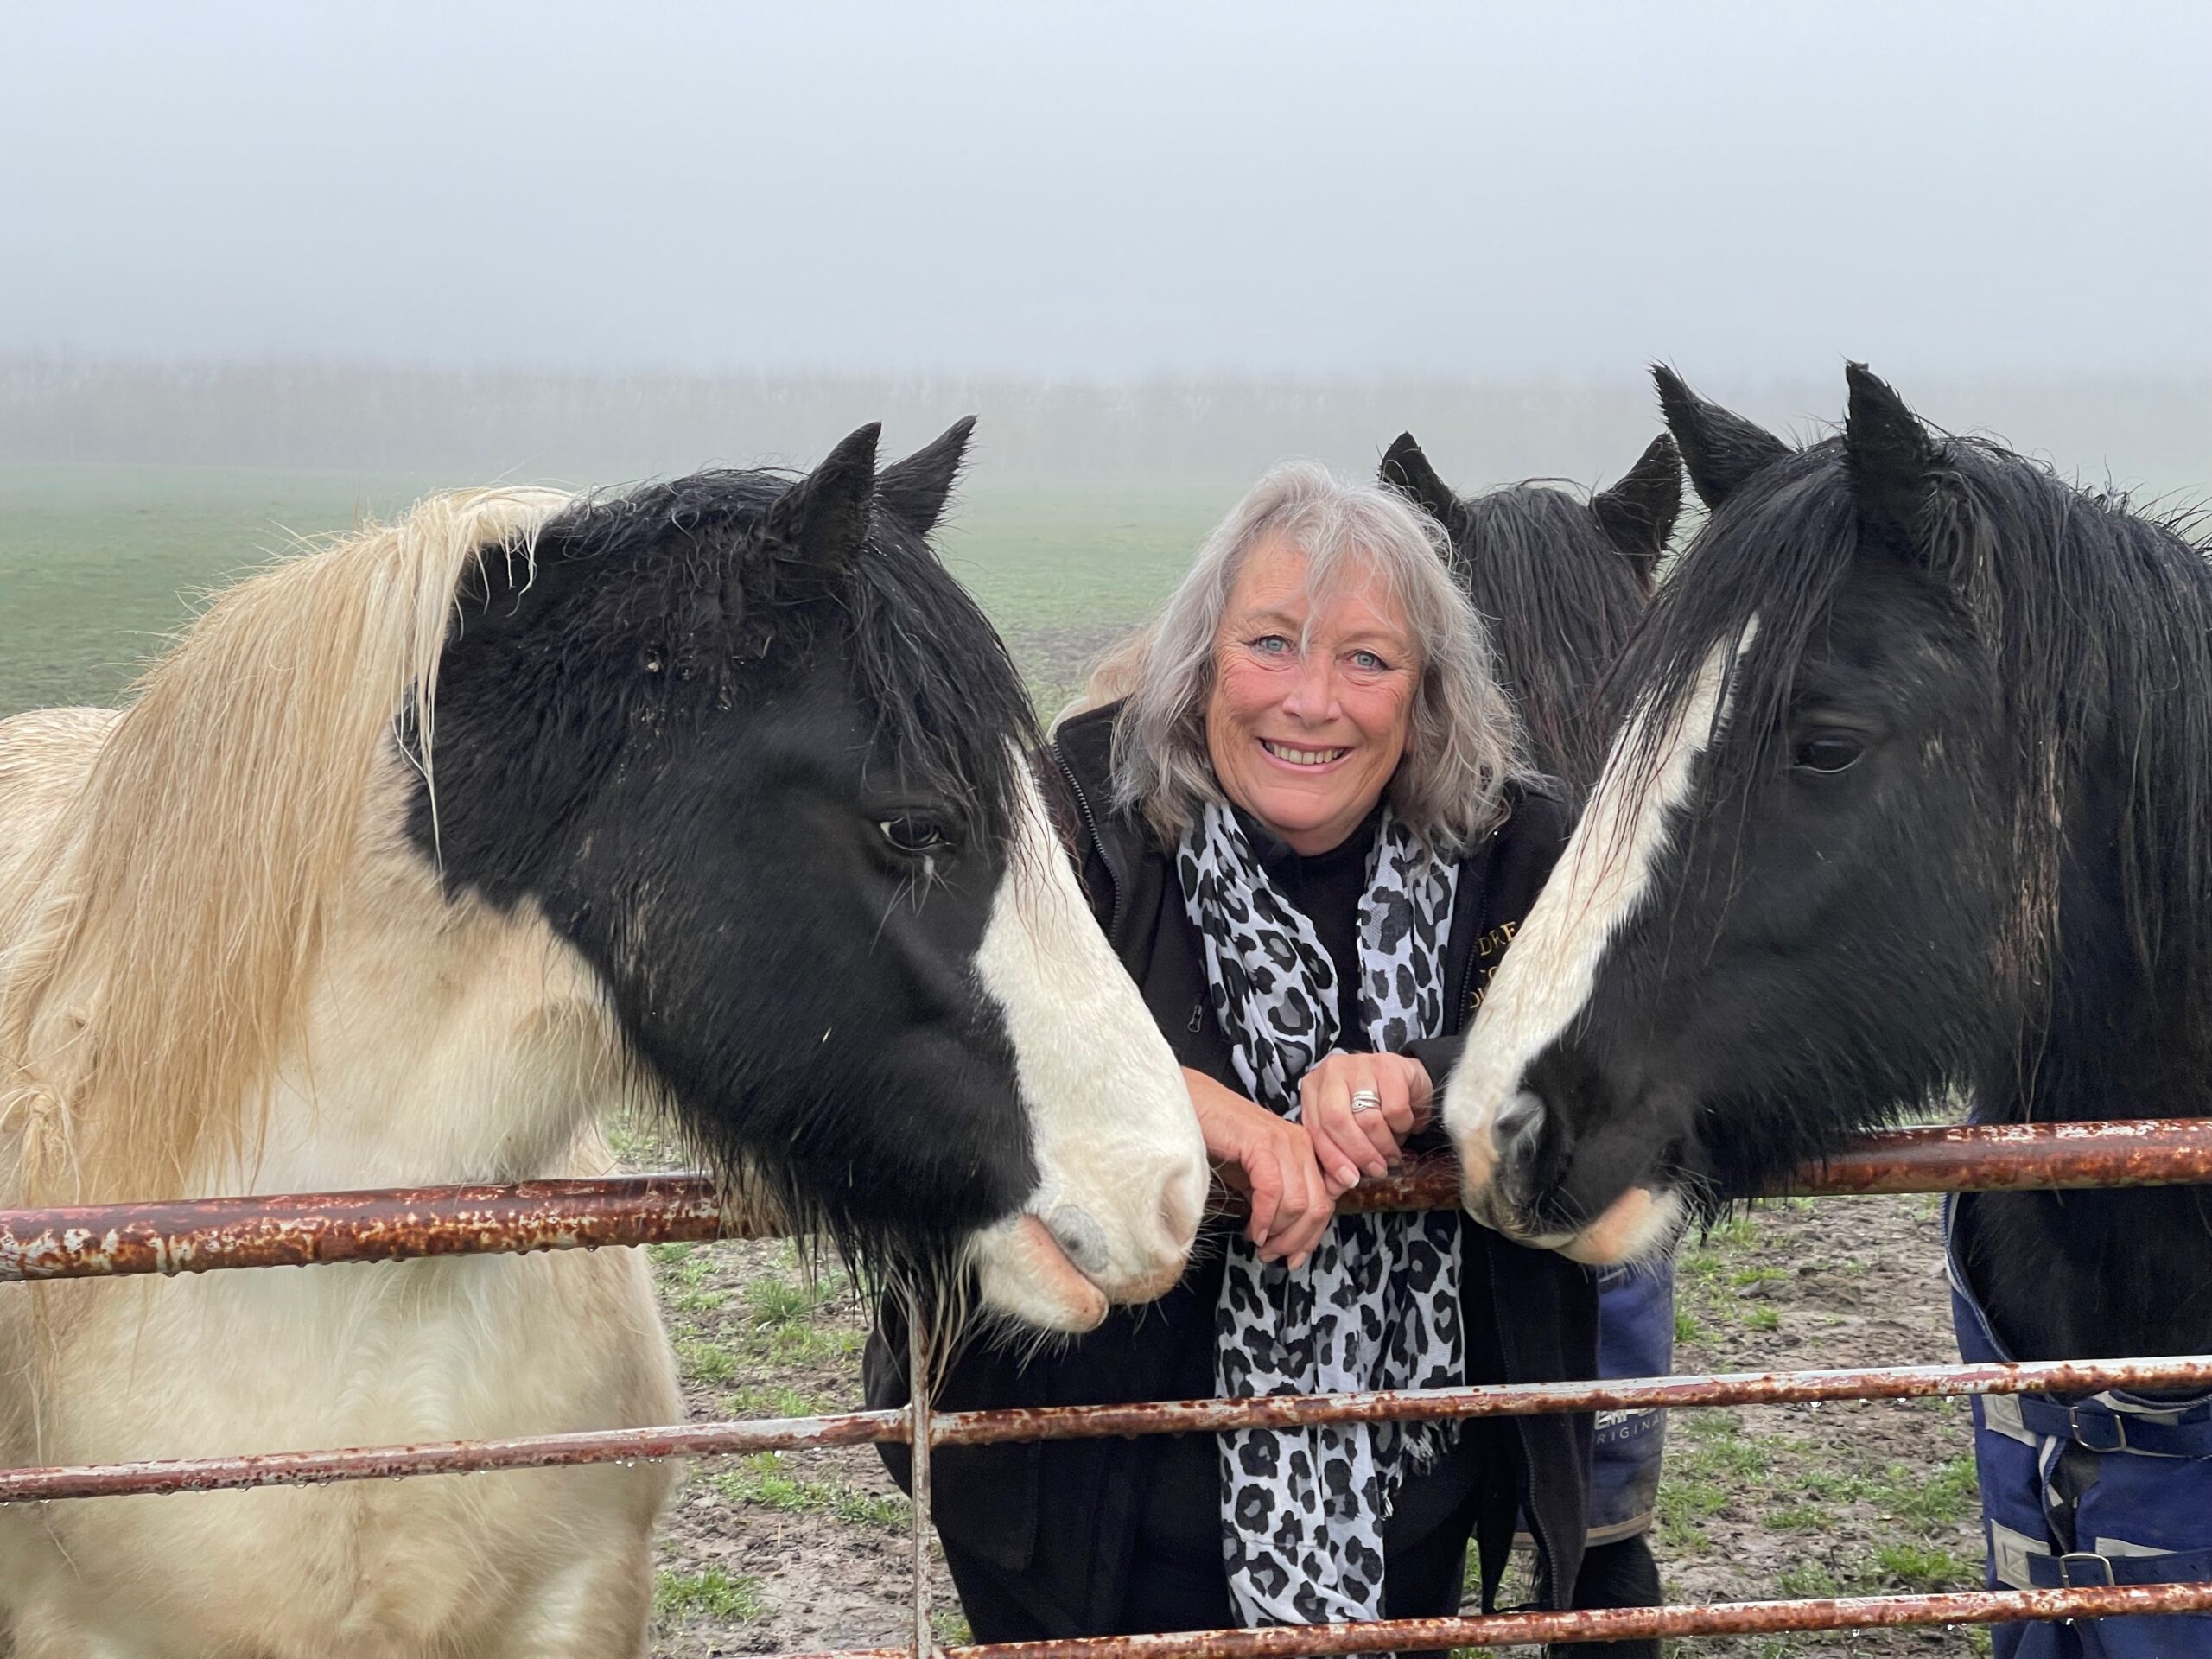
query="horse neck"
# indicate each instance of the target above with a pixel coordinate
(2106, 1044)
(2109, 1272)
(441, 1042)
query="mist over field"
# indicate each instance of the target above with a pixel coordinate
(1209, 436)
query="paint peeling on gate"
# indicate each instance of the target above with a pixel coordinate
(307, 1229)
(299, 1230)
(1610, 1625)
(1092, 1422)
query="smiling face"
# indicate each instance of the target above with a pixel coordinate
(1312, 696)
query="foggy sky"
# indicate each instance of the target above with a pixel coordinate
(1066, 191)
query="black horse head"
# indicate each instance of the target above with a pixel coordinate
(754, 754)
(1562, 583)
(1911, 791)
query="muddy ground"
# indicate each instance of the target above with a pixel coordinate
(808, 1550)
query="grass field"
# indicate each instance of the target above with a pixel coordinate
(98, 564)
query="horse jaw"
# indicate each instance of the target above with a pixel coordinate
(1548, 976)
(1122, 1168)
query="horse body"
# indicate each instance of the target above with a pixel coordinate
(1911, 796)
(418, 857)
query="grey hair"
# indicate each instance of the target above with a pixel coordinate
(1465, 744)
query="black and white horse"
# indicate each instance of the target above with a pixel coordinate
(1913, 793)
(1563, 582)
(416, 853)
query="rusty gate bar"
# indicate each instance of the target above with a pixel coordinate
(301, 1229)
(1081, 1422)
(1609, 1624)
(919, 1379)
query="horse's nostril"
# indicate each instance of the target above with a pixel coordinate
(1081, 1237)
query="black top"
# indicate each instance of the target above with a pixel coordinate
(1326, 888)
(1061, 1518)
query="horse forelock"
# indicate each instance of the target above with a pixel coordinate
(158, 949)
(952, 713)
(945, 699)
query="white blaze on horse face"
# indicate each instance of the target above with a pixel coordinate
(1602, 880)
(1122, 1167)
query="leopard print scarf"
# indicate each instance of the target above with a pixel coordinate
(1378, 1304)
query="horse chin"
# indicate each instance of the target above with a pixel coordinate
(1641, 1223)
(1023, 1273)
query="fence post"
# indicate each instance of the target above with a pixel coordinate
(918, 1373)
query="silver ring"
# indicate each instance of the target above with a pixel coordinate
(1365, 1100)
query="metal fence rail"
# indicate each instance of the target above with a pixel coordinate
(397, 1223)
(306, 1228)
(1092, 1422)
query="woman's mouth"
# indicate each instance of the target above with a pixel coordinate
(1292, 757)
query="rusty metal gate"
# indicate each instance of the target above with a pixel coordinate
(307, 1229)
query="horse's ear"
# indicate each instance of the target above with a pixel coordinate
(1406, 470)
(1638, 514)
(820, 523)
(1896, 467)
(1720, 449)
(914, 491)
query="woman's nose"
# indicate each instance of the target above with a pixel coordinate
(1313, 694)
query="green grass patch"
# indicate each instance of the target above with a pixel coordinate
(767, 1480)
(1928, 1499)
(1919, 1567)
(709, 1362)
(1808, 1580)
(713, 1593)
(1799, 1517)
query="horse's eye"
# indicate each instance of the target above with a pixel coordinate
(1826, 751)
(914, 833)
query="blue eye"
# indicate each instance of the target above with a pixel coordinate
(1370, 661)
(1271, 643)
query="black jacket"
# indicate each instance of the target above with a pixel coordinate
(1060, 1518)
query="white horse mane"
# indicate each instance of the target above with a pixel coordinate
(158, 940)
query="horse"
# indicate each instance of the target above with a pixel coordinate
(415, 856)
(1563, 582)
(1911, 794)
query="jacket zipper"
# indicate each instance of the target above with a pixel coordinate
(1089, 823)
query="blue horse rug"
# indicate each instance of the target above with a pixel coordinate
(2113, 1488)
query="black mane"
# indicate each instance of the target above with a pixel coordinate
(1560, 600)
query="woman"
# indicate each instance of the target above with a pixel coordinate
(1306, 832)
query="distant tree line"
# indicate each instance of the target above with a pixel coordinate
(1169, 434)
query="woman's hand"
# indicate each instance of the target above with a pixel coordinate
(1347, 1144)
(1271, 1161)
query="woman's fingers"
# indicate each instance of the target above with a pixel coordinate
(1421, 1092)
(1339, 1149)
(1306, 1206)
(1263, 1170)
(1340, 1139)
